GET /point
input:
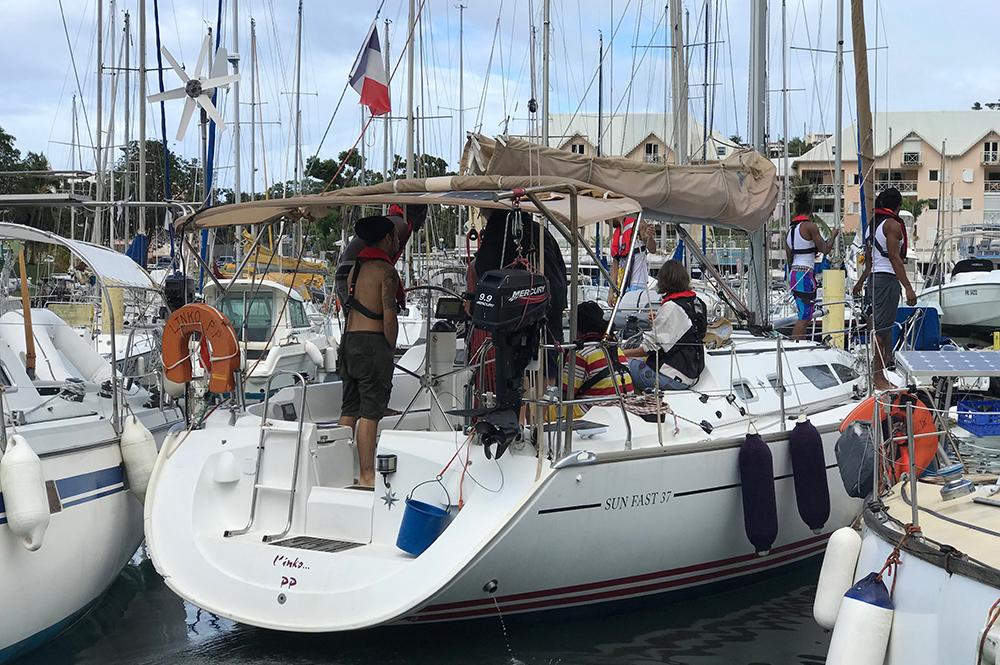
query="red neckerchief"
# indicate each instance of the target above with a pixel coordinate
(801, 218)
(591, 337)
(396, 211)
(679, 294)
(376, 254)
(890, 214)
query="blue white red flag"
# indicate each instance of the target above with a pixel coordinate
(368, 75)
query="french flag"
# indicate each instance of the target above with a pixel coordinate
(368, 76)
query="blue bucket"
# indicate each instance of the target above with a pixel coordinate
(422, 524)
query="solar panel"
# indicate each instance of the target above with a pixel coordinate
(928, 364)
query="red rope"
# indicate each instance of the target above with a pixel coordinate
(993, 615)
(892, 561)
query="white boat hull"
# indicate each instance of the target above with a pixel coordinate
(968, 301)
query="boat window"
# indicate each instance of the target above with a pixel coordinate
(258, 307)
(742, 390)
(820, 376)
(845, 373)
(773, 380)
(297, 314)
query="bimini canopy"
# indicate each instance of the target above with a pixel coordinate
(739, 192)
(114, 270)
(594, 204)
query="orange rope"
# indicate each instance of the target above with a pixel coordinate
(892, 561)
(993, 615)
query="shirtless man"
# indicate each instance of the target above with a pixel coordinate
(368, 345)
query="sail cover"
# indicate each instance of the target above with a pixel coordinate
(739, 192)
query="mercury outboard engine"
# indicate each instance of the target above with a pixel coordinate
(511, 304)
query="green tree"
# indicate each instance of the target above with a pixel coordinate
(797, 147)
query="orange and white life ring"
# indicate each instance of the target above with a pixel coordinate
(925, 437)
(214, 329)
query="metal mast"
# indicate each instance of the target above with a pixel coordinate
(600, 91)
(546, 27)
(142, 115)
(234, 59)
(838, 185)
(757, 279)
(679, 62)
(409, 95)
(787, 207)
(385, 123)
(253, 110)
(126, 211)
(865, 160)
(95, 236)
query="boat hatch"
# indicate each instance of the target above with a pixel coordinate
(316, 544)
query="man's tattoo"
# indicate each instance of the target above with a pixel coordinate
(390, 282)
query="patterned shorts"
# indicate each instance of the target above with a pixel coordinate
(803, 284)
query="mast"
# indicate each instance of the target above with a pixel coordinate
(72, 182)
(461, 97)
(678, 62)
(234, 58)
(142, 115)
(787, 207)
(298, 125)
(758, 274)
(385, 122)
(98, 140)
(128, 175)
(865, 160)
(704, 125)
(253, 110)
(409, 125)
(600, 91)
(838, 185)
(546, 25)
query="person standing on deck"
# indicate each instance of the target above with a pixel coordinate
(885, 254)
(368, 344)
(801, 245)
(621, 240)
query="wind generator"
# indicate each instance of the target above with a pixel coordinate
(198, 89)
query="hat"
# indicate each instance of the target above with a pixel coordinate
(373, 229)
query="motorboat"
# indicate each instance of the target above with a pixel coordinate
(77, 446)
(274, 331)
(256, 516)
(921, 582)
(974, 281)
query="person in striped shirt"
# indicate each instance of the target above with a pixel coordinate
(592, 377)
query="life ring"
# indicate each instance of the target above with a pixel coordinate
(925, 438)
(223, 358)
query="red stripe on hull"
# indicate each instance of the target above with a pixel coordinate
(552, 603)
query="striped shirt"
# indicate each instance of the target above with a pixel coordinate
(591, 361)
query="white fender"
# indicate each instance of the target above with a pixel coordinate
(864, 623)
(330, 358)
(314, 354)
(24, 495)
(837, 575)
(175, 390)
(139, 455)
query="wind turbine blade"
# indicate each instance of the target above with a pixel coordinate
(173, 63)
(219, 82)
(206, 103)
(205, 46)
(185, 118)
(220, 67)
(169, 94)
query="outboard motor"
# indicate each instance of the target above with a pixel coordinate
(511, 304)
(178, 290)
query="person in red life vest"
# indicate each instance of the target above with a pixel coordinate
(674, 349)
(801, 245)
(368, 344)
(621, 241)
(885, 252)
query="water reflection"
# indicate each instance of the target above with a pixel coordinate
(141, 621)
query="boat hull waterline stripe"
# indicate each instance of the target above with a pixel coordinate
(645, 584)
(86, 486)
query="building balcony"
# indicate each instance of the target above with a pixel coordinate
(824, 191)
(991, 156)
(904, 186)
(911, 158)
(651, 159)
(991, 217)
(992, 186)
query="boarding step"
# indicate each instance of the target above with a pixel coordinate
(317, 544)
(340, 513)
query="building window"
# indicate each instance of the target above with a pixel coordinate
(932, 204)
(990, 153)
(932, 175)
(855, 207)
(652, 153)
(856, 178)
(577, 148)
(966, 204)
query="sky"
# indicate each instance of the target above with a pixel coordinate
(923, 55)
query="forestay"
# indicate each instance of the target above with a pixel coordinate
(739, 192)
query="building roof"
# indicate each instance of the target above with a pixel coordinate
(623, 132)
(960, 130)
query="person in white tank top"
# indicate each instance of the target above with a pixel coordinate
(885, 251)
(802, 243)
